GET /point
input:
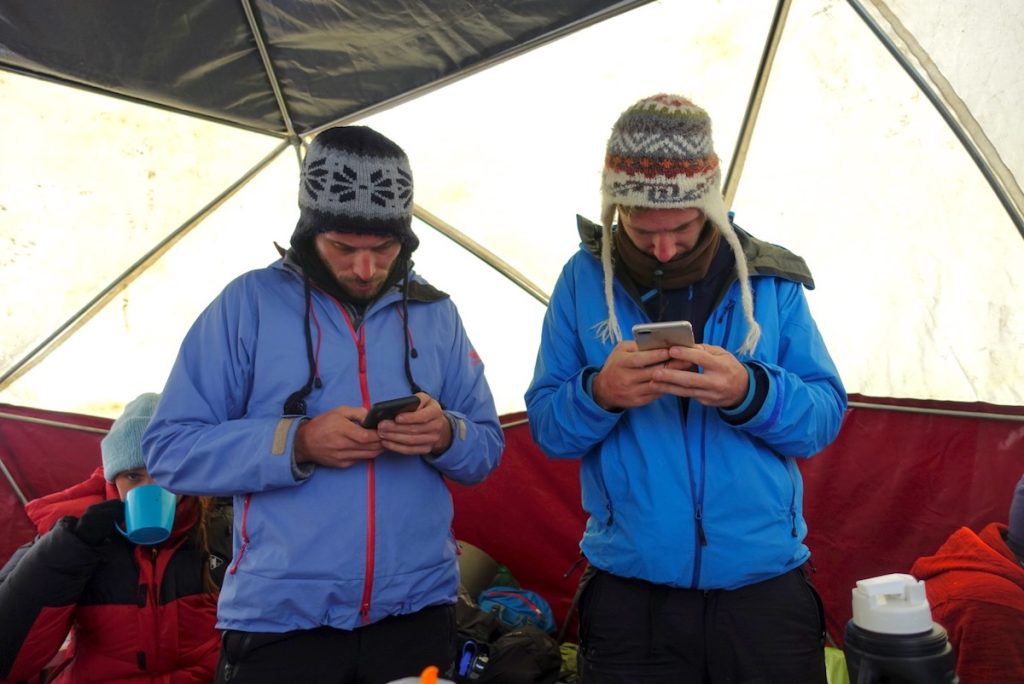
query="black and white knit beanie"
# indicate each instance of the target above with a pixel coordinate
(660, 156)
(355, 180)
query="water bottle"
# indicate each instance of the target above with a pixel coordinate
(892, 639)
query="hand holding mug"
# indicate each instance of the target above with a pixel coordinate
(99, 521)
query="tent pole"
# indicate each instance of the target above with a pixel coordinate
(261, 46)
(887, 407)
(522, 421)
(482, 253)
(52, 423)
(941, 106)
(85, 314)
(937, 412)
(739, 155)
(14, 485)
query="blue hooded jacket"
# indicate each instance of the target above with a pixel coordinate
(701, 503)
(322, 546)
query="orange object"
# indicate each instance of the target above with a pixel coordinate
(429, 675)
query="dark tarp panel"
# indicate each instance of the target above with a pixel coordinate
(332, 59)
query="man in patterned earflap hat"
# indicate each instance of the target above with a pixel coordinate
(688, 454)
(344, 569)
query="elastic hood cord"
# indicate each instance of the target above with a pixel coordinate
(295, 405)
(410, 349)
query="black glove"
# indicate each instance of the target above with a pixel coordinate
(97, 523)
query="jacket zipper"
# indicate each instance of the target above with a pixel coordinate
(371, 472)
(697, 483)
(244, 534)
(148, 595)
(697, 492)
(154, 598)
(790, 465)
(529, 604)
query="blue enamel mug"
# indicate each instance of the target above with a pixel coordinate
(148, 514)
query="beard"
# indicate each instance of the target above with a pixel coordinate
(350, 290)
(362, 292)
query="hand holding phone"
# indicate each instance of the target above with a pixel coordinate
(388, 409)
(661, 335)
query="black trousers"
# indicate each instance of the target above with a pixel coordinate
(395, 647)
(632, 631)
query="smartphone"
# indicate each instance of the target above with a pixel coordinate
(660, 335)
(387, 410)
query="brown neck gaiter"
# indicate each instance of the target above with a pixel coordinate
(679, 272)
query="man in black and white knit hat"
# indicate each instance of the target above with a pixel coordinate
(355, 178)
(688, 453)
(345, 568)
(357, 182)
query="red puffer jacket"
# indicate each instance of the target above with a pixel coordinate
(135, 613)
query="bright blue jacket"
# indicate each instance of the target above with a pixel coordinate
(336, 547)
(652, 484)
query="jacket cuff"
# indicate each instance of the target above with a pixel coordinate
(757, 392)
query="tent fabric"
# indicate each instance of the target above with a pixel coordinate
(894, 485)
(151, 164)
(891, 488)
(331, 60)
(147, 162)
(42, 458)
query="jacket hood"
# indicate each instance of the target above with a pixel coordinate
(45, 511)
(965, 551)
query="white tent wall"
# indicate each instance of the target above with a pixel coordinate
(90, 185)
(917, 264)
(976, 50)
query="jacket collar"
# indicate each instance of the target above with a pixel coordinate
(763, 258)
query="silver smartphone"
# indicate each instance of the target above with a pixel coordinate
(660, 335)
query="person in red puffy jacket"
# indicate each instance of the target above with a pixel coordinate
(975, 586)
(85, 603)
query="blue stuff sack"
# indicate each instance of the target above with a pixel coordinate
(516, 607)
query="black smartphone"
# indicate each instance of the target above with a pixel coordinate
(387, 410)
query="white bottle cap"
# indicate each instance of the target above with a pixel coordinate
(892, 604)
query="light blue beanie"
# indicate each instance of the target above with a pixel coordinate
(122, 447)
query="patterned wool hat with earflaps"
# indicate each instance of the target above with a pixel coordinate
(355, 180)
(660, 156)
